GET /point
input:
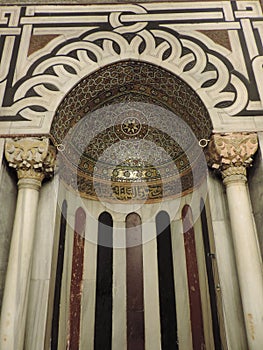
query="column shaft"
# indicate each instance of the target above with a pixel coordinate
(248, 261)
(232, 153)
(33, 159)
(13, 319)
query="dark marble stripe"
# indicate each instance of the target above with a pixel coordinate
(210, 277)
(103, 308)
(134, 279)
(169, 338)
(58, 282)
(193, 281)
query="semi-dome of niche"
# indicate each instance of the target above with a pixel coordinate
(125, 140)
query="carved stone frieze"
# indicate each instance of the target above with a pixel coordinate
(31, 157)
(231, 153)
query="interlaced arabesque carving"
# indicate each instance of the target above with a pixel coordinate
(187, 57)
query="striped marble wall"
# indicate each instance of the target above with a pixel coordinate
(136, 278)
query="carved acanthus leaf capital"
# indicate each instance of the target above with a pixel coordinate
(231, 150)
(31, 157)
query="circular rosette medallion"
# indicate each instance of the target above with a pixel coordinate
(131, 124)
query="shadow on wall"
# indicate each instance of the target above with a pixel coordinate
(8, 194)
(255, 184)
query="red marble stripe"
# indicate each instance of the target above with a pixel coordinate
(134, 278)
(193, 280)
(76, 279)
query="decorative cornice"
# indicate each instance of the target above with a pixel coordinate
(33, 158)
(231, 153)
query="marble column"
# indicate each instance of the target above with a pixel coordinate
(231, 154)
(33, 159)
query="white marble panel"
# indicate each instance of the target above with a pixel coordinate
(87, 314)
(237, 56)
(42, 265)
(189, 27)
(185, 5)
(6, 56)
(232, 307)
(172, 16)
(45, 230)
(88, 300)
(151, 291)
(22, 58)
(217, 197)
(83, 8)
(250, 39)
(181, 286)
(65, 290)
(37, 314)
(8, 195)
(119, 293)
(248, 9)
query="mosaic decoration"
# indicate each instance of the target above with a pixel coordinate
(215, 47)
(130, 151)
(140, 81)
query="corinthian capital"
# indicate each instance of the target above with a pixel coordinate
(31, 157)
(231, 153)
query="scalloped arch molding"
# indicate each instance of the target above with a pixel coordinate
(75, 41)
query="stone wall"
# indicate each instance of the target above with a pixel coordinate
(8, 193)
